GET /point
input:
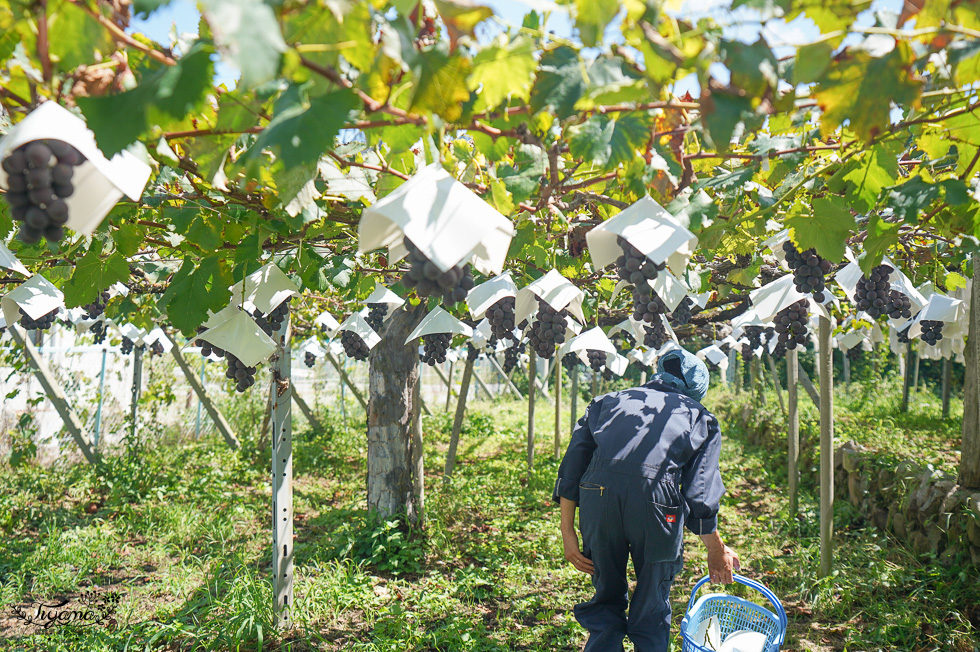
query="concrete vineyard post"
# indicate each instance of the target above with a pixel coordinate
(793, 428)
(282, 479)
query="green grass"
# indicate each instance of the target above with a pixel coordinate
(181, 529)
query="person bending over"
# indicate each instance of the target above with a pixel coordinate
(642, 464)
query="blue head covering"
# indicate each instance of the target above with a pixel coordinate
(685, 371)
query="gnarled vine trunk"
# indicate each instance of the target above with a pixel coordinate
(970, 450)
(393, 382)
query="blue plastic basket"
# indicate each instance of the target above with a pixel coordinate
(733, 614)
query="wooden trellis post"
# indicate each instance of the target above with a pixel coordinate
(282, 480)
(307, 412)
(793, 428)
(482, 385)
(55, 395)
(449, 387)
(947, 376)
(775, 381)
(345, 380)
(826, 451)
(532, 373)
(907, 385)
(847, 367)
(464, 390)
(574, 414)
(216, 416)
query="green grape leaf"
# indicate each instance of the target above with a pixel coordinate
(722, 110)
(502, 72)
(753, 66)
(75, 37)
(93, 274)
(302, 128)
(911, 197)
(143, 8)
(440, 84)
(881, 236)
(591, 18)
(247, 32)
(826, 228)
(866, 176)
(812, 60)
(560, 82)
(860, 89)
(167, 93)
(194, 290)
(608, 140)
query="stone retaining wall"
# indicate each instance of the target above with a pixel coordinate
(921, 506)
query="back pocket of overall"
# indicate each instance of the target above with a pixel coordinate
(666, 520)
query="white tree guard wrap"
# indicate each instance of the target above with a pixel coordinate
(282, 481)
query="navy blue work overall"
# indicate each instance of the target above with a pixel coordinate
(641, 464)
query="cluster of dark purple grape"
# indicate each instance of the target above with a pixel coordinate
(548, 331)
(270, 323)
(434, 348)
(932, 331)
(354, 346)
(472, 353)
(126, 346)
(206, 347)
(853, 353)
(607, 373)
(647, 305)
(428, 280)
(96, 308)
(501, 317)
(376, 315)
(42, 323)
(157, 348)
(310, 359)
(39, 177)
(792, 324)
(899, 305)
(753, 335)
(808, 269)
(655, 335)
(779, 351)
(243, 375)
(512, 355)
(903, 335)
(682, 313)
(633, 267)
(624, 340)
(873, 290)
(597, 359)
(569, 361)
(98, 332)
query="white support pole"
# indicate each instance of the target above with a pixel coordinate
(98, 411)
(55, 395)
(282, 481)
(137, 387)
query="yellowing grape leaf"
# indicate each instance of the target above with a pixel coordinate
(859, 88)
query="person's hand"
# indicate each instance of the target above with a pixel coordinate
(574, 555)
(721, 561)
